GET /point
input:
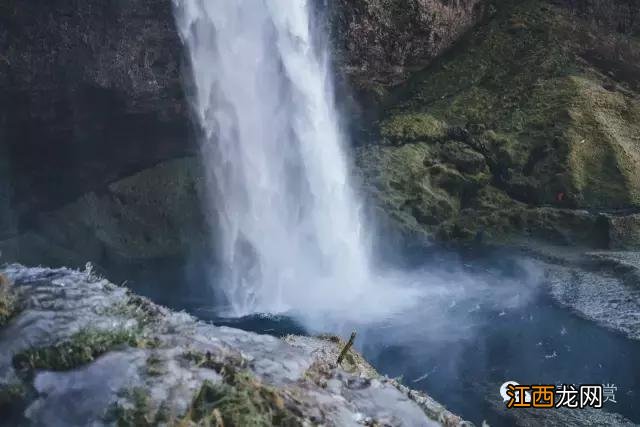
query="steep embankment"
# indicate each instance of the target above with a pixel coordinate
(133, 363)
(529, 127)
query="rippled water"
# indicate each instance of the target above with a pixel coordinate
(460, 347)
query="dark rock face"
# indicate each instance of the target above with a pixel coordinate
(89, 92)
(153, 216)
(379, 42)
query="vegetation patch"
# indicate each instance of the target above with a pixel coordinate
(138, 414)
(241, 400)
(413, 127)
(81, 348)
(219, 362)
(8, 302)
(531, 106)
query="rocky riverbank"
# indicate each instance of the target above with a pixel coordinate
(78, 350)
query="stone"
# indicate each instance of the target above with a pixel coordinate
(267, 377)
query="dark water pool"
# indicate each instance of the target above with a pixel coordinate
(462, 352)
(542, 344)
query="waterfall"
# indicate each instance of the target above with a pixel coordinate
(290, 234)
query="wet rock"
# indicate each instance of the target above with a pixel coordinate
(602, 286)
(458, 133)
(156, 213)
(173, 368)
(625, 264)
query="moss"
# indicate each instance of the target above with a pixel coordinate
(413, 127)
(139, 308)
(604, 147)
(137, 415)
(547, 114)
(155, 366)
(81, 348)
(8, 302)
(219, 362)
(533, 86)
(242, 400)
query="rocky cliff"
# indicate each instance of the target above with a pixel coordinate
(89, 92)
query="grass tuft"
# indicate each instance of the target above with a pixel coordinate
(81, 348)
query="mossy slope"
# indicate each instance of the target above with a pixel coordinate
(536, 108)
(7, 301)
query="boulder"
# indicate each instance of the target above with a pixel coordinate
(137, 363)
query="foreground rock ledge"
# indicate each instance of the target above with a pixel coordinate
(82, 351)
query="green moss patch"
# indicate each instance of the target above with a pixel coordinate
(218, 363)
(242, 400)
(8, 303)
(531, 106)
(138, 414)
(413, 127)
(239, 400)
(81, 348)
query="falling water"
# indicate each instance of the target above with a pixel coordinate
(291, 237)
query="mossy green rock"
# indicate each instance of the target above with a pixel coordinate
(7, 300)
(413, 127)
(81, 348)
(537, 108)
